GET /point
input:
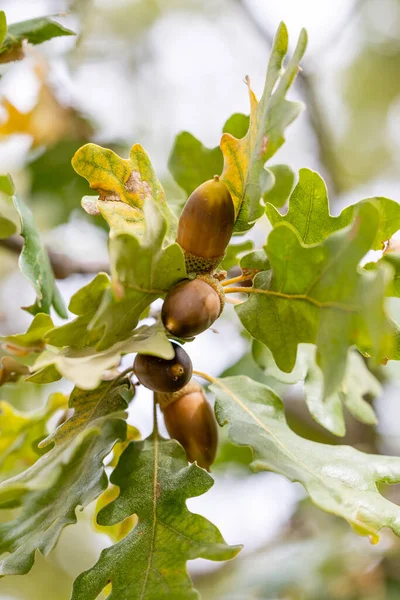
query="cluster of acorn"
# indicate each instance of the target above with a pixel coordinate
(204, 230)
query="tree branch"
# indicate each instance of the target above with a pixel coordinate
(63, 266)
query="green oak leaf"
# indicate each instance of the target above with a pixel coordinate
(357, 382)
(144, 267)
(34, 31)
(84, 303)
(317, 294)
(244, 159)
(86, 367)
(150, 562)
(34, 261)
(20, 432)
(233, 252)
(69, 475)
(282, 186)
(309, 212)
(33, 339)
(191, 163)
(339, 479)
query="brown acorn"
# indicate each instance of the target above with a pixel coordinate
(206, 226)
(190, 419)
(161, 375)
(192, 306)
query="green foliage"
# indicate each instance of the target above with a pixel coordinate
(34, 31)
(309, 212)
(154, 482)
(313, 316)
(70, 474)
(283, 180)
(339, 479)
(191, 163)
(312, 296)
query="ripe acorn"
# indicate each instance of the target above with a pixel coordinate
(190, 419)
(192, 306)
(161, 375)
(206, 225)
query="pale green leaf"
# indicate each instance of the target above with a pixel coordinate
(357, 382)
(150, 562)
(339, 479)
(86, 367)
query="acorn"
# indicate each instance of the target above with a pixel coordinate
(190, 419)
(192, 306)
(161, 375)
(206, 225)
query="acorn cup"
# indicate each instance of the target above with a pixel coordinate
(192, 306)
(190, 419)
(206, 226)
(161, 375)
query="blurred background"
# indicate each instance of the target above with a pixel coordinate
(142, 71)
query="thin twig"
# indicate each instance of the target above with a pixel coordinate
(63, 266)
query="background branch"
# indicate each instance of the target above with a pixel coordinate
(63, 266)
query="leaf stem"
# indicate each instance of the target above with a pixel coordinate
(236, 279)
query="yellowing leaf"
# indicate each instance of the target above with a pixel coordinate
(117, 180)
(20, 431)
(47, 122)
(244, 158)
